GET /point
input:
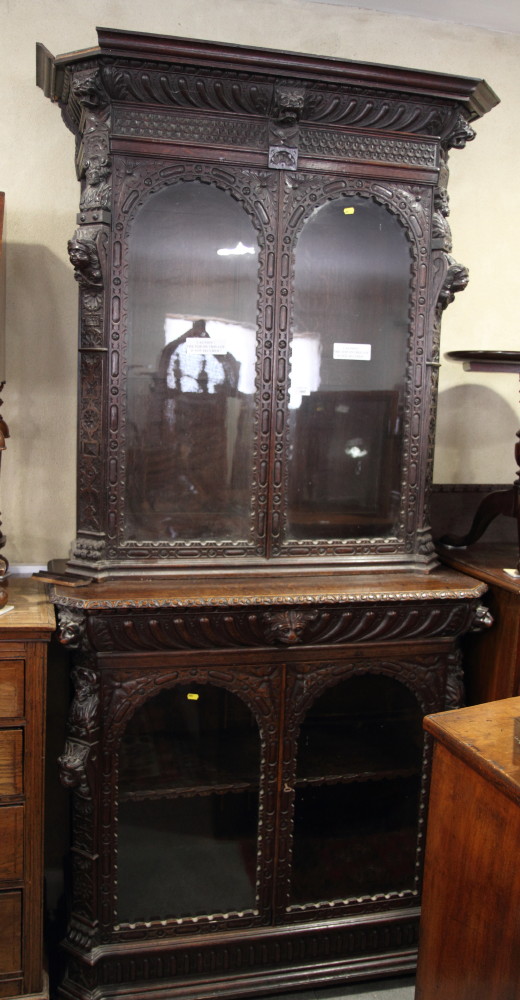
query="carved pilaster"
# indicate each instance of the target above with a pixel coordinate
(78, 772)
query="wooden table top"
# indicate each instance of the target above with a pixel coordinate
(32, 613)
(234, 589)
(483, 736)
(486, 561)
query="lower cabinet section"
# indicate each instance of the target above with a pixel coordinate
(250, 785)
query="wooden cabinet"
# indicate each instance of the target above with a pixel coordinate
(492, 656)
(470, 923)
(249, 777)
(24, 634)
(253, 596)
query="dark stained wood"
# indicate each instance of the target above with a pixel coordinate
(474, 93)
(470, 923)
(492, 657)
(264, 616)
(24, 634)
(279, 645)
(155, 116)
(241, 590)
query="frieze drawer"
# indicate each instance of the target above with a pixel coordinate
(11, 766)
(10, 939)
(11, 838)
(12, 676)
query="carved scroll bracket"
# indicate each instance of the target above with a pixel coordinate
(284, 127)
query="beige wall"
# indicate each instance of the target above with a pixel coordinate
(478, 415)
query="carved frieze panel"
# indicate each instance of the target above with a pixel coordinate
(228, 131)
(360, 146)
(234, 629)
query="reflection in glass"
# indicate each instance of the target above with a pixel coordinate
(357, 792)
(191, 364)
(188, 806)
(348, 365)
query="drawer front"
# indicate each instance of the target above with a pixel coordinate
(12, 674)
(11, 840)
(11, 762)
(10, 934)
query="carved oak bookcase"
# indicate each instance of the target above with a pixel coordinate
(258, 617)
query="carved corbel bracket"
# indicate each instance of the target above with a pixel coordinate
(456, 279)
(284, 130)
(459, 133)
(71, 627)
(84, 257)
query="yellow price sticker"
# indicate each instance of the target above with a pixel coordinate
(192, 696)
(349, 211)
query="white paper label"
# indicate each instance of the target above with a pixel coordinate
(204, 345)
(352, 352)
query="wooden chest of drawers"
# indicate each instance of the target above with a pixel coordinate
(24, 634)
(470, 922)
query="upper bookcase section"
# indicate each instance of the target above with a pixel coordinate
(263, 256)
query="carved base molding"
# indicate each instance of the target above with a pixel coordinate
(262, 961)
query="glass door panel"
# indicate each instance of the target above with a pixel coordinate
(357, 792)
(191, 367)
(348, 367)
(188, 806)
